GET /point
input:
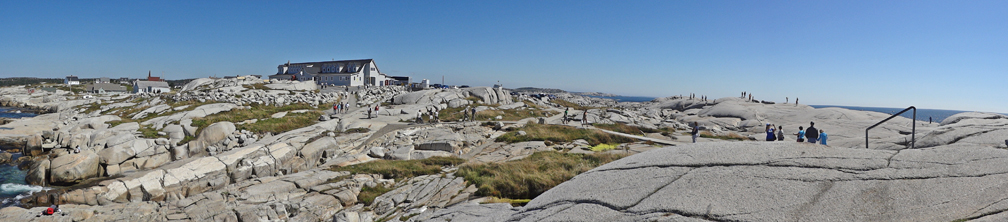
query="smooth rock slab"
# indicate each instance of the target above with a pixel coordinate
(776, 181)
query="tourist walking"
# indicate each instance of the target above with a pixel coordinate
(800, 134)
(565, 115)
(696, 131)
(474, 114)
(780, 133)
(822, 137)
(584, 118)
(812, 133)
(770, 136)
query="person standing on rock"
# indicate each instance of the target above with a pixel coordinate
(822, 137)
(565, 113)
(800, 134)
(780, 133)
(474, 113)
(696, 131)
(812, 133)
(369, 113)
(770, 136)
(584, 118)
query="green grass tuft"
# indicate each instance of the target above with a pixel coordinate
(561, 134)
(527, 178)
(402, 169)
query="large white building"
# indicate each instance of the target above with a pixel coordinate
(339, 73)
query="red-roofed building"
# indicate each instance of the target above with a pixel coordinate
(152, 78)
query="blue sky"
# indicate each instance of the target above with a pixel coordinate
(930, 54)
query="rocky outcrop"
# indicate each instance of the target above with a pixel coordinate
(37, 172)
(73, 168)
(763, 181)
(422, 193)
(209, 137)
(292, 85)
(972, 128)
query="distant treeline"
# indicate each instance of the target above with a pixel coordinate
(26, 80)
(15, 81)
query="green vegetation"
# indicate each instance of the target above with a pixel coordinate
(402, 169)
(396, 169)
(148, 132)
(368, 194)
(634, 130)
(16, 81)
(729, 136)
(456, 114)
(258, 111)
(527, 178)
(561, 134)
(289, 122)
(603, 147)
(513, 202)
(261, 86)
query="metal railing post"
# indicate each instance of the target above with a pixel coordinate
(913, 132)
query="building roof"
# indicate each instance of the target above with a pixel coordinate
(72, 78)
(145, 84)
(337, 61)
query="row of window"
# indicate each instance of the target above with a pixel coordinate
(335, 68)
(343, 78)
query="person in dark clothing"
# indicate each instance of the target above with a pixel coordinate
(812, 134)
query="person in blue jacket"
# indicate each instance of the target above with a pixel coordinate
(822, 137)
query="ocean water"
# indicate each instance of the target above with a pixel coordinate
(626, 98)
(12, 180)
(936, 115)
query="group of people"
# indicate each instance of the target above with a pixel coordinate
(812, 135)
(469, 117)
(341, 107)
(375, 111)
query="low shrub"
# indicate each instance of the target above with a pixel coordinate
(729, 136)
(603, 147)
(561, 134)
(368, 194)
(628, 129)
(527, 178)
(402, 169)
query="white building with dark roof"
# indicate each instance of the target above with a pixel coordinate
(141, 86)
(71, 80)
(339, 73)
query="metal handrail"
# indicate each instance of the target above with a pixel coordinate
(913, 132)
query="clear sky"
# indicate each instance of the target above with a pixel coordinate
(929, 54)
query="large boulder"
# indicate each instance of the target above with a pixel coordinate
(73, 168)
(37, 172)
(216, 132)
(209, 136)
(117, 154)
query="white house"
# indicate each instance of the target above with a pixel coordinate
(71, 80)
(341, 73)
(141, 86)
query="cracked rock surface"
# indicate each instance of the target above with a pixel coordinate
(772, 181)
